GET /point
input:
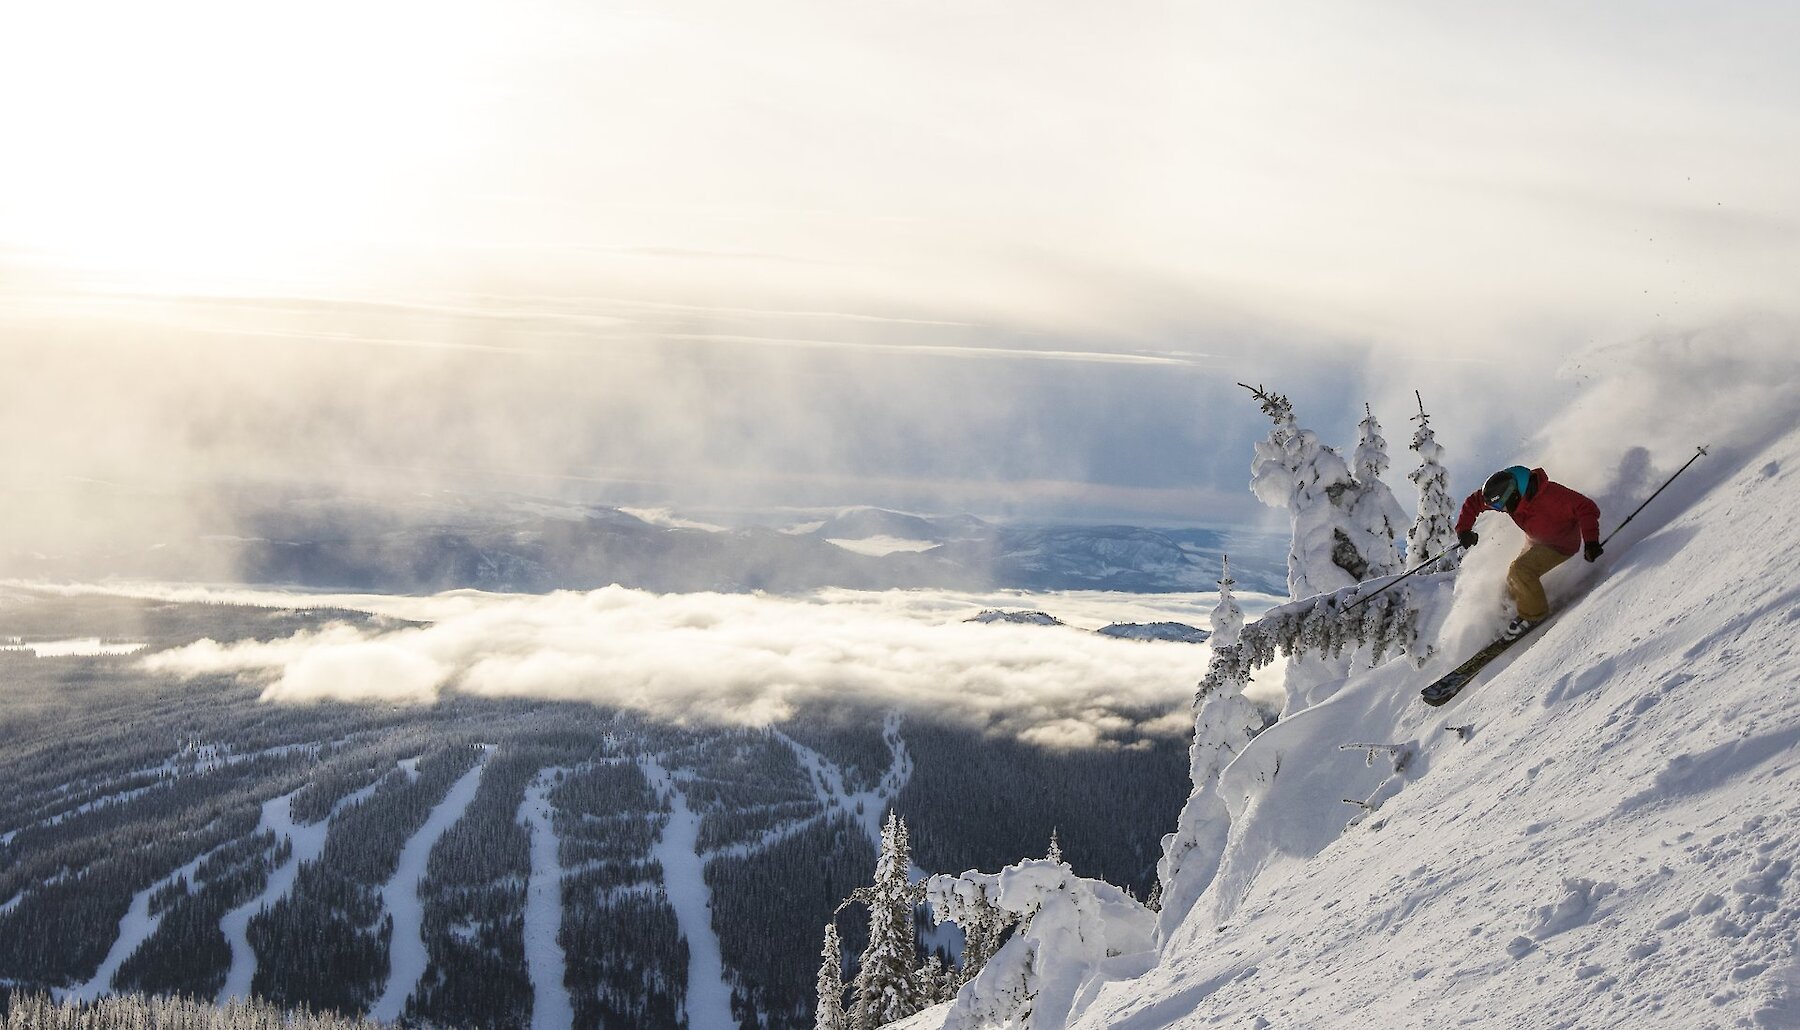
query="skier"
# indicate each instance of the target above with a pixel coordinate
(1557, 522)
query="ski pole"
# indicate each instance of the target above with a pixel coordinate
(1419, 568)
(1698, 451)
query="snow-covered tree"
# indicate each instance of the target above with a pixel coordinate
(982, 924)
(1227, 619)
(1055, 853)
(1067, 927)
(1374, 512)
(1294, 470)
(886, 980)
(132, 1012)
(937, 982)
(1434, 531)
(1224, 722)
(1371, 458)
(830, 1014)
(1319, 633)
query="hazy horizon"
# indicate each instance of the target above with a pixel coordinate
(1007, 259)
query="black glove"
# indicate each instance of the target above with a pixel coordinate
(1591, 550)
(1469, 538)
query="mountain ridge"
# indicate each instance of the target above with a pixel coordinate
(1599, 832)
(434, 544)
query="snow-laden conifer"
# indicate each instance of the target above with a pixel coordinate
(1223, 724)
(982, 924)
(1055, 853)
(1371, 458)
(887, 985)
(1374, 512)
(937, 983)
(830, 1013)
(1434, 531)
(131, 1012)
(1294, 470)
(1227, 619)
(1067, 927)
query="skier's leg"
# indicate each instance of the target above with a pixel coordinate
(1525, 579)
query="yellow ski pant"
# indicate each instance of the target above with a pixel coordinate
(1525, 579)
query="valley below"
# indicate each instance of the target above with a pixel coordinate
(482, 860)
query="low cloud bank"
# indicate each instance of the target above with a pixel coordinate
(748, 660)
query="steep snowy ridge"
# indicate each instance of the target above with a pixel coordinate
(1601, 832)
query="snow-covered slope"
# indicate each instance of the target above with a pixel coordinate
(1601, 832)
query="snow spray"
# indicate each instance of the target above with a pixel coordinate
(1698, 451)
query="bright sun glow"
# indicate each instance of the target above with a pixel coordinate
(190, 144)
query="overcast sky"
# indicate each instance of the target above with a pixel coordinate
(1000, 257)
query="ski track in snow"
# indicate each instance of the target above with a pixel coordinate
(308, 841)
(551, 1007)
(407, 954)
(135, 927)
(139, 925)
(205, 760)
(867, 807)
(708, 995)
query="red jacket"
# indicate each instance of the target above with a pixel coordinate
(1549, 513)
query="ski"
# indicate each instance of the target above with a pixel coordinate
(1452, 682)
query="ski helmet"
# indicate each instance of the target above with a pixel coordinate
(1505, 487)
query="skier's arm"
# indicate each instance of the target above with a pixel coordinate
(1587, 515)
(1475, 505)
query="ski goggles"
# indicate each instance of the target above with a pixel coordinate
(1503, 495)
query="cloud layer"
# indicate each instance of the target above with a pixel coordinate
(746, 660)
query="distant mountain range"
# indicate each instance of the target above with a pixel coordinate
(443, 542)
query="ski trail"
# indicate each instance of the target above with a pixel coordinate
(684, 880)
(551, 1008)
(407, 955)
(308, 842)
(868, 807)
(183, 763)
(135, 928)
